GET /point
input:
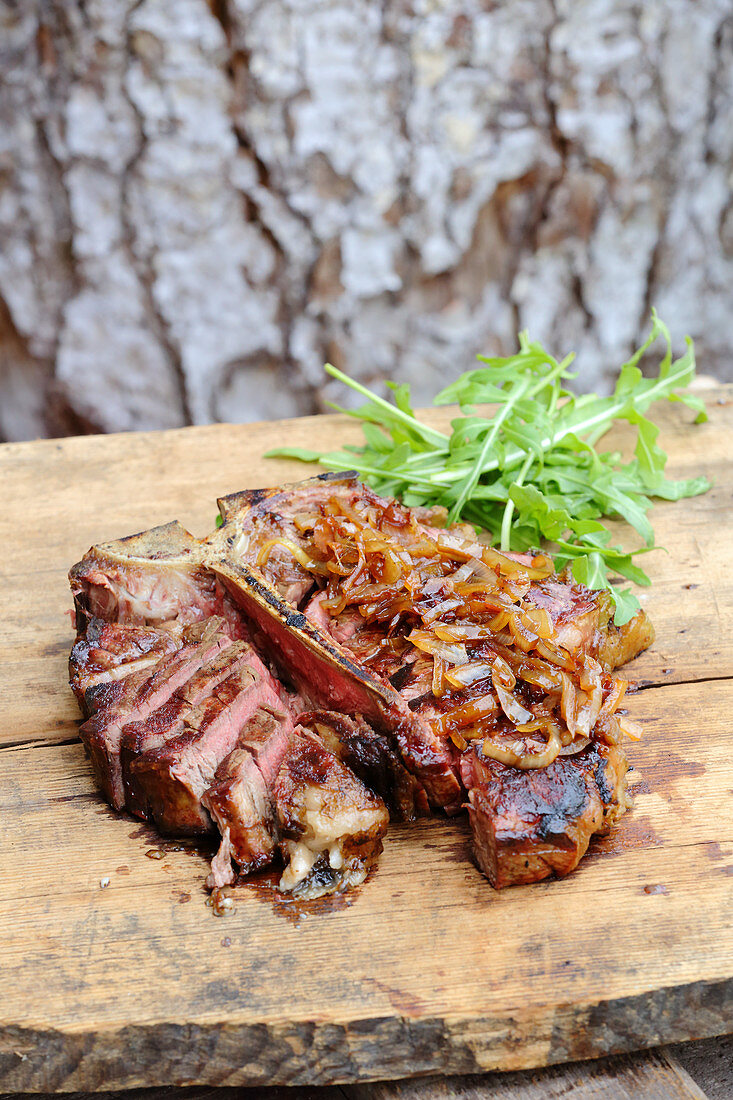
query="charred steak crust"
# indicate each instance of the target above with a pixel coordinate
(372, 759)
(108, 653)
(527, 825)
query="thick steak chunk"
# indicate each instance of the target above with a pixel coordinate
(529, 824)
(169, 781)
(372, 759)
(239, 799)
(331, 825)
(136, 697)
(583, 622)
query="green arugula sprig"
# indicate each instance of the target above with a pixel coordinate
(531, 472)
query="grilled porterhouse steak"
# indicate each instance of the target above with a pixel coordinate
(326, 644)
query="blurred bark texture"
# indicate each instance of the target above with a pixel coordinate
(201, 202)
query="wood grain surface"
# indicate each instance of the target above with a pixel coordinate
(425, 969)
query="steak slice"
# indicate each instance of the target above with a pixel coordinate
(529, 824)
(330, 823)
(372, 759)
(134, 699)
(240, 804)
(239, 799)
(169, 781)
(109, 652)
(168, 721)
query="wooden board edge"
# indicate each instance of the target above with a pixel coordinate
(312, 1052)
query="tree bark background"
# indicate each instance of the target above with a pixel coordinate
(202, 202)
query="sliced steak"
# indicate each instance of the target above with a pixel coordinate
(267, 736)
(372, 759)
(330, 823)
(239, 799)
(134, 699)
(169, 781)
(168, 721)
(240, 804)
(528, 824)
(109, 652)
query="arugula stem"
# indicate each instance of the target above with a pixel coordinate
(427, 433)
(478, 468)
(506, 523)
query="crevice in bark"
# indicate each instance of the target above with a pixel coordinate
(54, 414)
(62, 214)
(558, 139)
(243, 86)
(722, 51)
(577, 288)
(664, 177)
(155, 319)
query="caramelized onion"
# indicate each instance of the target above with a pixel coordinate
(613, 700)
(575, 747)
(511, 706)
(464, 675)
(298, 553)
(508, 755)
(467, 714)
(468, 610)
(440, 609)
(630, 728)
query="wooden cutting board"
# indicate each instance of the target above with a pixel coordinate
(115, 974)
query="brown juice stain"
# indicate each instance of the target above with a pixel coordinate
(670, 767)
(404, 1003)
(630, 833)
(263, 884)
(294, 910)
(193, 846)
(82, 796)
(459, 851)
